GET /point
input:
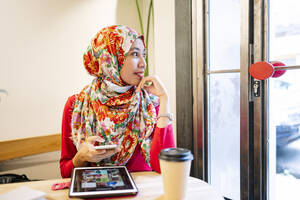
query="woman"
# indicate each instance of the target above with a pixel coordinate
(120, 106)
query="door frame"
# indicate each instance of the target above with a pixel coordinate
(192, 121)
(260, 110)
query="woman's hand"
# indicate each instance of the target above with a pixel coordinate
(157, 88)
(153, 85)
(87, 152)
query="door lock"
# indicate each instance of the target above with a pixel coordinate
(256, 88)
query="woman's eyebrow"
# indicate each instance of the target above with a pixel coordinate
(136, 48)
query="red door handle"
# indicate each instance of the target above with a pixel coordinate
(263, 70)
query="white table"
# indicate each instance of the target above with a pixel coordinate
(149, 184)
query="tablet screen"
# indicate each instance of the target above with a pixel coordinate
(102, 181)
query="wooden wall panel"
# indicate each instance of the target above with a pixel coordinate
(11, 149)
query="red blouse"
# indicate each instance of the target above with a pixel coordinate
(162, 138)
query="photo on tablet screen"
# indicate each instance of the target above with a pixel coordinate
(102, 181)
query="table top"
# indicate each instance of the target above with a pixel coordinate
(149, 184)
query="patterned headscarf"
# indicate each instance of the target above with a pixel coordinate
(108, 107)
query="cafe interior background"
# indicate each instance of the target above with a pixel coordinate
(243, 132)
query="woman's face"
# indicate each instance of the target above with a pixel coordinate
(134, 65)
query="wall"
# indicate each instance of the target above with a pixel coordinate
(161, 44)
(164, 48)
(42, 43)
(41, 58)
(41, 55)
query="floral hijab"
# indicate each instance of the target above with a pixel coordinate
(108, 107)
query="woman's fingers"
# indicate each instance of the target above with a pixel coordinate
(91, 154)
(141, 85)
(147, 82)
(107, 154)
(99, 151)
(153, 85)
(93, 139)
(106, 151)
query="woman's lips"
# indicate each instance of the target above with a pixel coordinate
(140, 74)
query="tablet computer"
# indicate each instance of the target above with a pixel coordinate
(91, 182)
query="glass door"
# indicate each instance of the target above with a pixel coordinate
(276, 105)
(250, 128)
(284, 101)
(217, 60)
(223, 99)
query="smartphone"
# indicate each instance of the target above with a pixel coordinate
(109, 146)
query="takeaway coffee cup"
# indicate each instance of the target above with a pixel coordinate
(175, 164)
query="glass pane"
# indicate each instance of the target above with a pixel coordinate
(284, 130)
(284, 102)
(224, 41)
(285, 31)
(224, 133)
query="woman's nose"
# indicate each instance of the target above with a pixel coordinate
(142, 63)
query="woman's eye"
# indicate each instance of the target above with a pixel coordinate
(134, 54)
